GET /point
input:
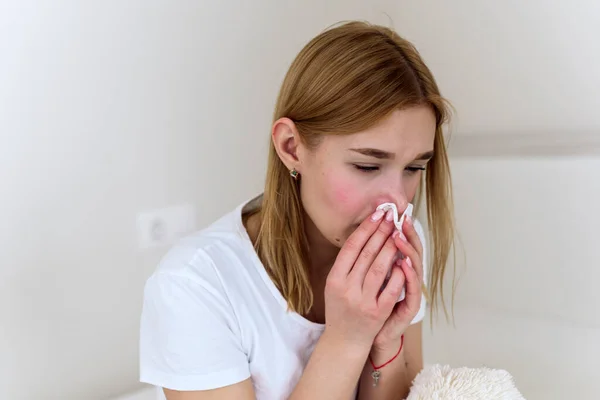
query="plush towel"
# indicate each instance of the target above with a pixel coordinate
(442, 382)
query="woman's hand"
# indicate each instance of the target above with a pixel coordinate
(355, 306)
(388, 339)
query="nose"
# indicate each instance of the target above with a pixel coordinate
(396, 196)
(394, 189)
(401, 203)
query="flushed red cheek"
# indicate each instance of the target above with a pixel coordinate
(345, 202)
(346, 197)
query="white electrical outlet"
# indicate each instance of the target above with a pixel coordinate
(164, 226)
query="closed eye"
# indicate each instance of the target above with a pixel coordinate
(372, 168)
(366, 168)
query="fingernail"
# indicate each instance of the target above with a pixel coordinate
(396, 233)
(402, 236)
(409, 262)
(389, 216)
(409, 219)
(377, 215)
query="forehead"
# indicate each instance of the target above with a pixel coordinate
(405, 131)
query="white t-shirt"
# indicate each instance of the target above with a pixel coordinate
(212, 317)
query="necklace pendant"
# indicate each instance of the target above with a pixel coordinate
(375, 374)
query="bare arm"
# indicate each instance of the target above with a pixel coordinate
(333, 370)
(331, 373)
(397, 376)
(414, 350)
(239, 391)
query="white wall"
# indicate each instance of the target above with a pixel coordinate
(512, 66)
(527, 300)
(111, 108)
(521, 73)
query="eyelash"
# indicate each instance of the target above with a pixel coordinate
(364, 168)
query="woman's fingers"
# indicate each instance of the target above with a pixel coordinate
(411, 234)
(378, 270)
(354, 245)
(371, 251)
(409, 307)
(390, 295)
(409, 251)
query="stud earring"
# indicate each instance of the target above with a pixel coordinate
(294, 173)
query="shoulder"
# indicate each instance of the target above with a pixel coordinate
(206, 269)
(190, 335)
(208, 252)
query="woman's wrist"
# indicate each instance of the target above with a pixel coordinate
(384, 374)
(381, 354)
(351, 348)
(334, 367)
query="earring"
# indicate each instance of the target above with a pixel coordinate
(294, 173)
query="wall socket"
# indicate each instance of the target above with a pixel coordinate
(162, 227)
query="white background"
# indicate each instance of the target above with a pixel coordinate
(109, 109)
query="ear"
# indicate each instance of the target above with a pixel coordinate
(287, 143)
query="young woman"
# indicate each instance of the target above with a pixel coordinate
(296, 293)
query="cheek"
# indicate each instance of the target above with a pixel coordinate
(345, 196)
(412, 187)
(345, 203)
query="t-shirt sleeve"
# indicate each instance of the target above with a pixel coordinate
(189, 337)
(422, 309)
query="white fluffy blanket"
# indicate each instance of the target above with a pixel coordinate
(442, 382)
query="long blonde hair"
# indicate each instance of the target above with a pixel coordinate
(344, 81)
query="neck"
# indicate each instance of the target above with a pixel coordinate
(322, 252)
(322, 256)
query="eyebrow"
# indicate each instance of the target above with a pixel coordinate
(424, 156)
(375, 153)
(386, 155)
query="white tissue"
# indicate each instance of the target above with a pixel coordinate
(392, 206)
(398, 222)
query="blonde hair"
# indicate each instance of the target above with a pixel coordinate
(344, 81)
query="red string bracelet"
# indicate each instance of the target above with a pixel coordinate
(376, 373)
